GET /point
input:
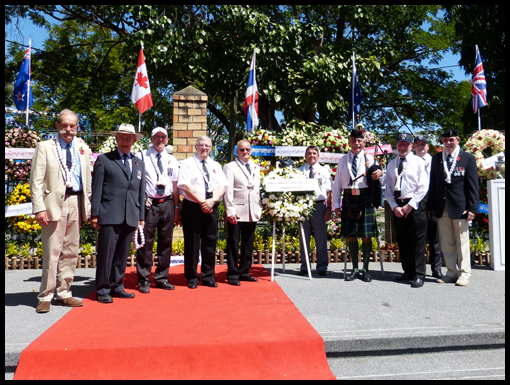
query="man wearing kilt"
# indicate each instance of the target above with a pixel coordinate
(357, 209)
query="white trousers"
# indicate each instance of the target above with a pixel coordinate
(454, 240)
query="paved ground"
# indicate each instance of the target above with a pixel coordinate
(377, 330)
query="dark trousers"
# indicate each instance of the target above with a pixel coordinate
(114, 242)
(240, 264)
(411, 241)
(160, 216)
(200, 235)
(436, 260)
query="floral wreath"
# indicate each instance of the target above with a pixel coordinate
(287, 206)
(483, 144)
(263, 138)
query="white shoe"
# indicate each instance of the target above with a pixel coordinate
(462, 281)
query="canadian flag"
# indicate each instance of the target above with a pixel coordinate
(141, 94)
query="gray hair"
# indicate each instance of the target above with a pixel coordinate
(66, 111)
(203, 137)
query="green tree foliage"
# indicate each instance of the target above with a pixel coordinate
(303, 59)
(482, 25)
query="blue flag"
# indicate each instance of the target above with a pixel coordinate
(23, 87)
(357, 93)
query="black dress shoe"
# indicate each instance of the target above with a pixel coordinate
(437, 274)
(323, 273)
(418, 282)
(403, 277)
(192, 285)
(105, 298)
(234, 282)
(247, 278)
(209, 284)
(365, 277)
(122, 294)
(144, 287)
(352, 276)
(165, 285)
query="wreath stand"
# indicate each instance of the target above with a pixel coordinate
(283, 249)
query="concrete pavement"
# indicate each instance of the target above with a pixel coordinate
(356, 319)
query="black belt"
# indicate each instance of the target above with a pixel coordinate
(156, 201)
(322, 201)
(402, 202)
(69, 191)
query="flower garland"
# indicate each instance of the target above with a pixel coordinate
(138, 234)
(483, 142)
(455, 158)
(287, 206)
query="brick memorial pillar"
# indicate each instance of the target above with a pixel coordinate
(190, 122)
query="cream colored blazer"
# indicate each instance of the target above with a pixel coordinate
(47, 180)
(242, 196)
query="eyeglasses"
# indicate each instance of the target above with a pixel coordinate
(71, 126)
(203, 145)
(245, 149)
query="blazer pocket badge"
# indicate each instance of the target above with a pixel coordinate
(139, 174)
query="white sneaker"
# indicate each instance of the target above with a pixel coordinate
(462, 281)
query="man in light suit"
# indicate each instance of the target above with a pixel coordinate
(242, 206)
(60, 189)
(118, 208)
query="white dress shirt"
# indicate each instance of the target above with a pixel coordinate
(343, 177)
(170, 172)
(414, 181)
(191, 174)
(323, 178)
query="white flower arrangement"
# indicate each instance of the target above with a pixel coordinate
(110, 144)
(287, 206)
(485, 140)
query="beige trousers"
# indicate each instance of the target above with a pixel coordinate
(454, 240)
(60, 241)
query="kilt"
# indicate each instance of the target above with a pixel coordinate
(364, 227)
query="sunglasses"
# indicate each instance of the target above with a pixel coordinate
(245, 149)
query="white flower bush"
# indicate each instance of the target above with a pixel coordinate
(110, 144)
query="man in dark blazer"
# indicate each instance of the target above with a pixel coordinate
(118, 186)
(453, 199)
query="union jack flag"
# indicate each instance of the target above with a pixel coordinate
(479, 86)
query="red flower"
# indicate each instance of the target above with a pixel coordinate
(344, 145)
(458, 158)
(333, 143)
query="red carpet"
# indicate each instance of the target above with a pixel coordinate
(238, 333)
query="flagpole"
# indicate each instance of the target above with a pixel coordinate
(352, 89)
(479, 121)
(29, 78)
